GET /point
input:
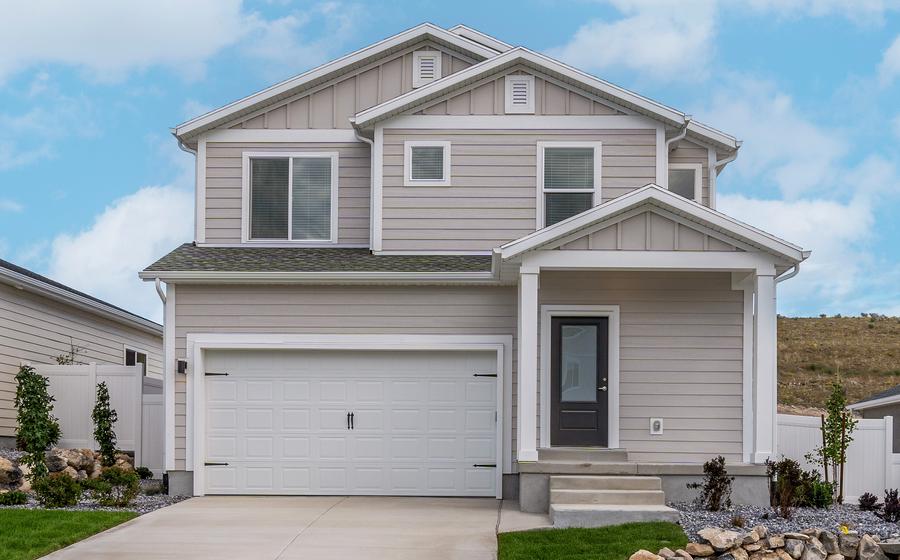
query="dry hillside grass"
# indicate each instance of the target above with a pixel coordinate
(862, 352)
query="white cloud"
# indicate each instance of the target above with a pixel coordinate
(889, 68)
(9, 205)
(861, 11)
(126, 237)
(665, 40)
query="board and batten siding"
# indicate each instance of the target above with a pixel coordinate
(37, 329)
(223, 187)
(680, 358)
(491, 199)
(332, 103)
(334, 309)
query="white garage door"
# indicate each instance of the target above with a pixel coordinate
(280, 422)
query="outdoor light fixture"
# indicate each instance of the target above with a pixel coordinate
(656, 426)
(181, 366)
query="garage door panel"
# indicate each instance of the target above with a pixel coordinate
(421, 422)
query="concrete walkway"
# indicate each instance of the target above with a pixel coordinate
(312, 528)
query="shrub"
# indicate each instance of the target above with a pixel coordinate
(37, 428)
(118, 488)
(14, 498)
(57, 490)
(91, 484)
(817, 493)
(868, 502)
(891, 510)
(144, 473)
(790, 486)
(715, 490)
(104, 420)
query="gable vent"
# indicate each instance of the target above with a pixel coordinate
(520, 94)
(426, 67)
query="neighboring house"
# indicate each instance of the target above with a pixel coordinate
(41, 320)
(879, 405)
(442, 265)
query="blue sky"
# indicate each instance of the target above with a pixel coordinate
(93, 187)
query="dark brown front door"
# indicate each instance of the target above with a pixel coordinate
(579, 358)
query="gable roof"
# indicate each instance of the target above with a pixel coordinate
(480, 38)
(455, 40)
(523, 56)
(654, 195)
(23, 278)
(889, 396)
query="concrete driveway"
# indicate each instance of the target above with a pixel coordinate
(312, 528)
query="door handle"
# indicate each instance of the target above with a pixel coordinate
(348, 420)
(352, 427)
(602, 388)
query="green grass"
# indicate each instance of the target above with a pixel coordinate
(31, 533)
(604, 543)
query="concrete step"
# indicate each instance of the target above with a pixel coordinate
(578, 467)
(583, 454)
(601, 482)
(609, 497)
(589, 515)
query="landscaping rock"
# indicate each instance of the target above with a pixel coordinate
(751, 537)
(782, 555)
(762, 531)
(890, 546)
(796, 536)
(835, 557)
(645, 555)
(666, 553)
(813, 550)
(25, 483)
(683, 554)
(96, 470)
(55, 463)
(764, 555)
(10, 473)
(699, 550)
(794, 547)
(848, 545)
(78, 459)
(753, 547)
(721, 539)
(775, 541)
(737, 554)
(830, 542)
(125, 461)
(869, 549)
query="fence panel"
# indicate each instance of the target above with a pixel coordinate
(153, 433)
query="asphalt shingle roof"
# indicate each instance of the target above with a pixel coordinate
(892, 392)
(191, 258)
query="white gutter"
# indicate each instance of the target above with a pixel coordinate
(788, 275)
(680, 136)
(350, 277)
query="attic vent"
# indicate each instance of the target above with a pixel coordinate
(426, 67)
(520, 94)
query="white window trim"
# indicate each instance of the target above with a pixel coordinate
(509, 108)
(245, 196)
(408, 181)
(697, 168)
(598, 161)
(126, 347)
(547, 314)
(417, 80)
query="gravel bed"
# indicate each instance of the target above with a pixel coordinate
(694, 519)
(142, 504)
(11, 454)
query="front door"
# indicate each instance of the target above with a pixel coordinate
(579, 358)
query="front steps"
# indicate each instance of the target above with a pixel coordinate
(597, 501)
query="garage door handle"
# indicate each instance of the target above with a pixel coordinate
(215, 464)
(485, 465)
(348, 420)
(352, 414)
(484, 375)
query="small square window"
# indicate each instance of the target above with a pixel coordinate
(685, 180)
(426, 163)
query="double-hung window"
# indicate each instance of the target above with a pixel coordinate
(568, 180)
(290, 197)
(686, 179)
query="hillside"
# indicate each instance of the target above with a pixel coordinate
(863, 352)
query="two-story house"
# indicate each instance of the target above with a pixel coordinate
(446, 266)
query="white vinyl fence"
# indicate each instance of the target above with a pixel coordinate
(139, 427)
(871, 464)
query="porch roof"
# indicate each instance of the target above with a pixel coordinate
(651, 196)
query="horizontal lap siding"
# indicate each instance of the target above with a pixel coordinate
(223, 187)
(680, 358)
(334, 309)
(688, 152)
(37, 330)
(493, 189)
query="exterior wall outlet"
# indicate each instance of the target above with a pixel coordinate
(656, 426)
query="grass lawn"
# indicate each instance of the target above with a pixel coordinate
(603, 543)
(32, 533)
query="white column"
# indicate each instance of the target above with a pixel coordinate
(765, 369)
(527, 365)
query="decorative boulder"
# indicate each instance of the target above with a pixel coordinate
(721, 539)
(869, 549)
(751, 537)
(645, 555)
(683, 555)
(775, 541)
(124, 461)
(699, 550)
(762, 531)
(736, 553)
(830, 542)
(55, 463)
(25, 483)
(794, 547)
(848, 545)
(666, 553)
(10, 473)
(814, 550)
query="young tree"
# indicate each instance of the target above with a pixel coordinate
(104, 420)
(838, 425)
(37, 428)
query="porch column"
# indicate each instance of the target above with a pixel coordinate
(527, 364)
(765, 368)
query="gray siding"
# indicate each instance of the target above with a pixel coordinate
(36, 329)
(881, 412)
(493, 189)
(680, 358)
(331, 104)
(223, 187)
(688, 152)
(648, 231)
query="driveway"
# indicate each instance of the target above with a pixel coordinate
(308, 527)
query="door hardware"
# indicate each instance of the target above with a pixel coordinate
(348, 420)
(216, 373)
(485, 465)
(215, 464)
(602, 388)
(352, 414)
(484, 375)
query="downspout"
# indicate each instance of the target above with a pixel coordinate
(787, 275)
(371, 144)
(160, 292)
(680, 135)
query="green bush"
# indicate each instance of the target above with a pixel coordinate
(119, 487)
(14, 498)
(37, 428)
(818, 493)
(715, 490)
(104, 419)
(144, 473)
(57, 490)
(91, 484)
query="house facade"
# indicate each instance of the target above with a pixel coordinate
(41, 320)
(444, 265)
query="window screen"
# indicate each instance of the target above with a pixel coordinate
(682, 181)
(311, 199)
(427, 163)
(567, 171)
(269, 198)
(559, 206)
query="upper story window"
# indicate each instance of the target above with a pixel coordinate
(290, 197)
(426, 67)
(568, 180)
(520, 94)
(426, 163)
(685, 179)
(136, 357)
